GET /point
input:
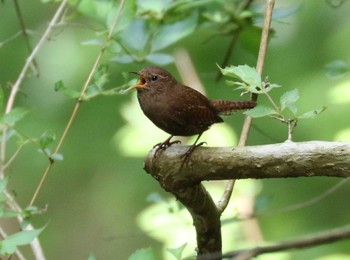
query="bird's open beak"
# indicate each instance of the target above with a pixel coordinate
(140, 83)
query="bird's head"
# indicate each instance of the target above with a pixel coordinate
(153, 78)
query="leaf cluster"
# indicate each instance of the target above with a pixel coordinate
(286, 111)
(9, 244)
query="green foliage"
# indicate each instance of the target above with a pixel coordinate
(9, 245)
(11, 118)
(250, 81)
(97, 88)
(47, 138)
(288, 100)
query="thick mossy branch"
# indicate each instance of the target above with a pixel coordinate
(288, 159)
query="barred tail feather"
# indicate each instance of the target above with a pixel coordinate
(226, 107)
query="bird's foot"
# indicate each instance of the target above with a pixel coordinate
(186, 156)
(164, 145)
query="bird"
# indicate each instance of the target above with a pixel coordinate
(177, 109)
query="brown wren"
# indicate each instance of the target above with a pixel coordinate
(177, 109)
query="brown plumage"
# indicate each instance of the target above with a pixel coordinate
(177, 109)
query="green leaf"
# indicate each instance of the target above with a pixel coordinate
(288, 100)
(14, 116)
(312, 113)
(143, 254)
(337, 68)
(177, 252)
(101, 76)
(98, 42)
(91, 91)
(136, 36)
(123, 59)
(160, 58)
(153, 8)
(251, 80)
(260, 111)
(47, 138)
(10, 243)
(171, 33)
(60, 87)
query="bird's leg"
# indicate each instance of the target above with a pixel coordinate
(189, 152)
(165, 144)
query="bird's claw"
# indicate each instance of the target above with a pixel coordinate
(166, 144)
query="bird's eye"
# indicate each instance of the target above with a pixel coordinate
(154, 78)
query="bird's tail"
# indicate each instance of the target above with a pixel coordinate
(226, 107)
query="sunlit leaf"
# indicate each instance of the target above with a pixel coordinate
(10, 243)
(251, 80)
(312, 113)
(260, 111)
(288, 100)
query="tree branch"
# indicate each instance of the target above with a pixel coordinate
(288, 159)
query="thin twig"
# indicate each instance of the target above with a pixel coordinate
(27, 65)
(35, 245)
(78, 103)
(325, 237)
(248, 121)
(235, 35)
(307, 203)
(34, 65)
(229, 51)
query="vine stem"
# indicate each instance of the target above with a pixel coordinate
(78, 103)
(222, 204)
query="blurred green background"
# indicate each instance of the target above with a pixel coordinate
(99, 199)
